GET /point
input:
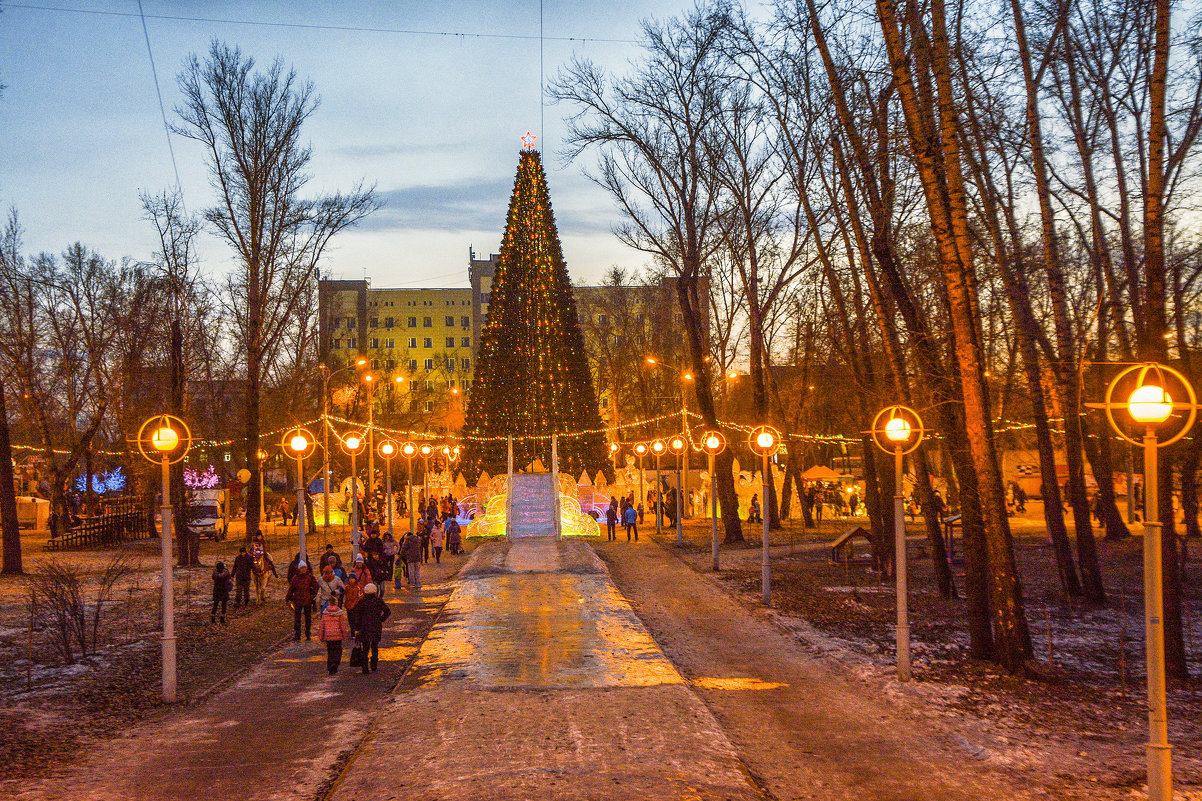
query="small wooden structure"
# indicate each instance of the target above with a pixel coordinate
(845, 542)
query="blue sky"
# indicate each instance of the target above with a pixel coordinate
(433, 120)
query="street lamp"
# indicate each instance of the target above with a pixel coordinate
(765, 441)
(641, 450)
(262, 456)
(369, 488)
(1150, 404)
(685, 375)
(898, 430)
(658, 447)
(425, 450)
(388, 450)
(713, 443)
(299, 443)
(354, 444)
(409, 450)
(679, 446)
(166, 439)
(614, 450)
(327, 374)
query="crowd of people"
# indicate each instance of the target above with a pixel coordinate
(348, 601)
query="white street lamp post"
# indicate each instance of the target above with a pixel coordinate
(658, 447)
(898, 430)
(166, 439)
(408, 450)
(1149, 406)
(679, 446)
(713, 442)
(353, 444)
(765, 441)
(388, 450)
(299, 443)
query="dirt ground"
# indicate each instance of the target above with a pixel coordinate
(118, 685)
(1088, 709)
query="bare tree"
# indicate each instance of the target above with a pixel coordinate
(650, 130)
(250, 124)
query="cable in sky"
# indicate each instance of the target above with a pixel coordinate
(162, 109)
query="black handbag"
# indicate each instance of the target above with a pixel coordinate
(357, 656)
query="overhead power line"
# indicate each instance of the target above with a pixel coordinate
(317, 27)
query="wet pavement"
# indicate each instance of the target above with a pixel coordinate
(539, 681)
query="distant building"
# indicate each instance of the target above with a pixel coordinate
(429, 336)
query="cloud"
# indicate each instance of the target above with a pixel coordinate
(471, 205)
(400, 149)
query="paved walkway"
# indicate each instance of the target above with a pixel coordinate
(539, 682)
(281, 731)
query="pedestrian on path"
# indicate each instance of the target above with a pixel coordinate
(632, 523)
(611, 519)
(423, 531)
(301, 592)
(223, 582)
(244, 571)
(454, 538)
(753, 514)
(370, 614)
(329, 587)
(283, 508)
(332, 630)
(354, 591)
(438, 540)
(411, 550)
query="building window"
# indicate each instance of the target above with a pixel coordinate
(413, 342)
(427, 322)
(467, 383)
(413, 365)
(449, 363)
(450, 342)
(337, 344)
(427, 343)
(602, 319)
(375, 342)
(429, 406)
(390, 343)
(392, 364)
(486, 297)
(429, 366)
(465, 342)
(374, 322)
(375, 364)
(465, 322)
(350, 323)
(351, 344)
(413, 322)
(388, 322)
(467, 364)
(450, 321)
(337, 323)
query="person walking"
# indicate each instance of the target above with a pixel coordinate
(423, 532)
(223, 582)
(631, 519)
(611, 519)
(438, 540)
(753, 514)
(283, 509)
(244, 571)
(329, 588)
(354, 591)
(370, 614)
(411, 551)
(390, 551)
(332, 630)
(454, 537)
(301, 592)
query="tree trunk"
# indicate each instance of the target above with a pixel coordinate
(8, 499)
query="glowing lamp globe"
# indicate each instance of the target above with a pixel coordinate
(712, 443)
(677, 445)
(387, 449)
(299, 443)
(351, 442)
(408, 449)
(897, 430)
(658, 447)
(1150, 404)
(164, 439)
(426, 450)
(613, 447)
(765, 440)
(640, 449)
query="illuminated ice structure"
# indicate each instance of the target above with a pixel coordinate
(533, 509)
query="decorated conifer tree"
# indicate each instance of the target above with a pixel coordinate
(532, 377)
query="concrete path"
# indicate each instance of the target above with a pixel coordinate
(280, 732)
(539, 682)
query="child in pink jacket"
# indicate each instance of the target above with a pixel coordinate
(332, 630)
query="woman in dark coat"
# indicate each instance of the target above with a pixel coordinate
(368, 622)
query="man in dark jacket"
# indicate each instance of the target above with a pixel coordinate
(244, 568)
(301, 592)
(368, 619)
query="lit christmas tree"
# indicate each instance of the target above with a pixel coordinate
(532, 377)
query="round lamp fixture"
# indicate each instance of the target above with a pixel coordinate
(641, 449)
(408, 450)
(387, 448)
(713, 442)
(298, 443)
(898, 429)
(1150, 404)
(658, 447)
(426, 449)
(764, 440)
(678, 445)
(164, 439)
